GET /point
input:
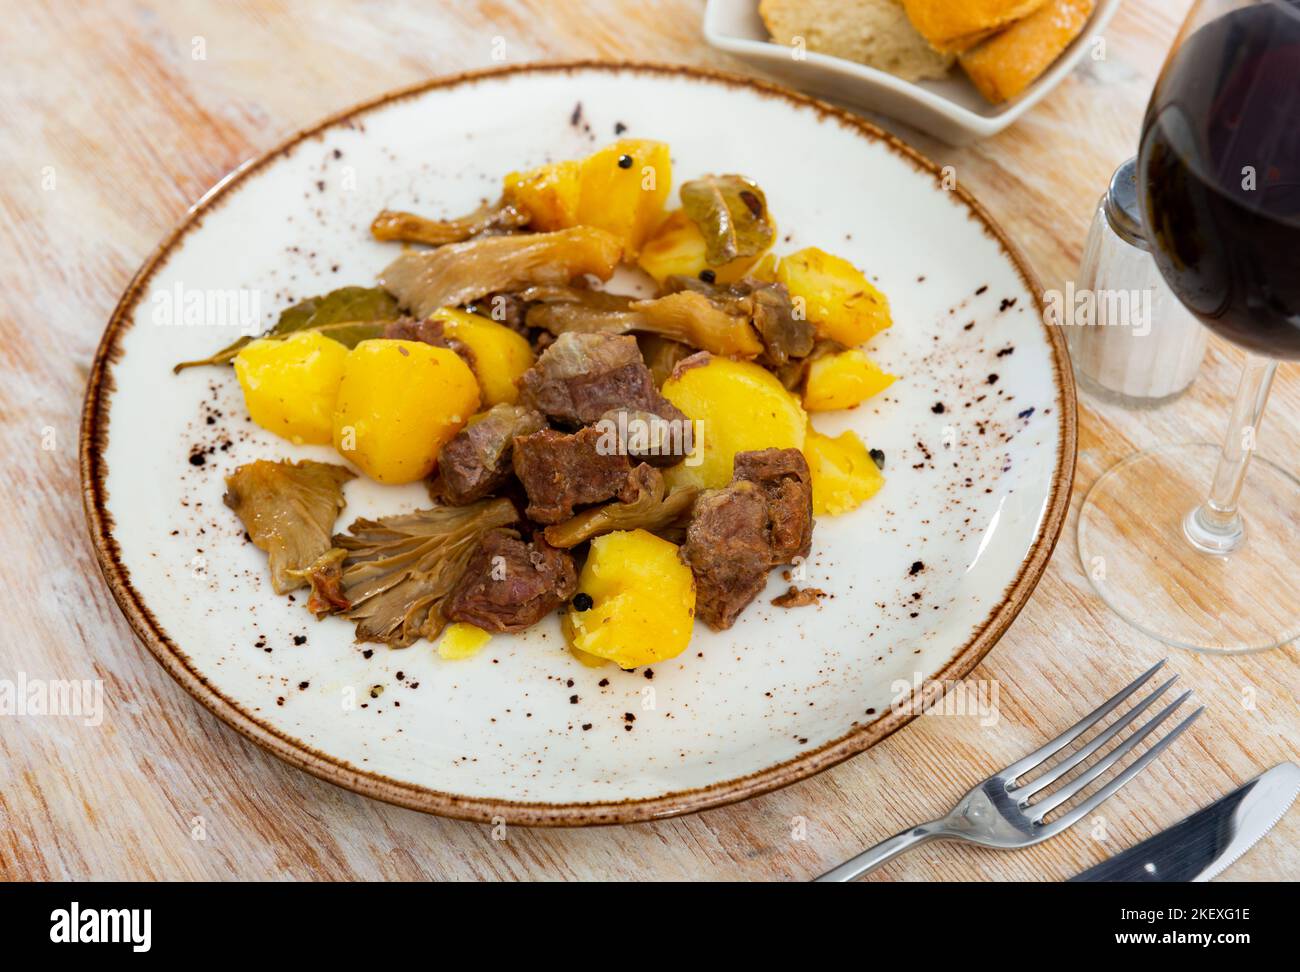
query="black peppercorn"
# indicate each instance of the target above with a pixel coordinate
(582, 602)
(708, 276)
(625, 161)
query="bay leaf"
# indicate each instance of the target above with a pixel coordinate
(731, 213)
(348, 315)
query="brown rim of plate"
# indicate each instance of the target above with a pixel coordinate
(94, 433)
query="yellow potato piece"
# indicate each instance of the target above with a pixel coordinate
(834, 295)
(591, 661)
(549, 194)
(460, 640)
(398, 404)
(765, 268)
(678, 247)
(844, 476)
(643, 601)
(290, 385)
(626, 199)
(742, 407)
(500, 354)
(843, 380)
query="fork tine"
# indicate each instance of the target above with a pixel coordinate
(1109, 790)
(1022, 766)
(1064, 766)
(1048, 804)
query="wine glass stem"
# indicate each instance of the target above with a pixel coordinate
(1216, 526)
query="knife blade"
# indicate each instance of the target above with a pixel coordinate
(1203, 845)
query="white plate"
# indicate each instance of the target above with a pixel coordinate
(977, 493)
(951, 109)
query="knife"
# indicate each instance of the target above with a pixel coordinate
(1203, 845)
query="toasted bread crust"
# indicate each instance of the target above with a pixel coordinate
(1005, 65)
(955, 27)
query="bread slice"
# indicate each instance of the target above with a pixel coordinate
(876, 33)
(953, 26)
(1005, 65)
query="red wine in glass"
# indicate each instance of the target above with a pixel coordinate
(1219, 185)
(1220, 161)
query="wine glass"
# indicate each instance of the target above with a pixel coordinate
(1216, 566)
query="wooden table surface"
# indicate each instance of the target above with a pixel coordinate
(110, 127)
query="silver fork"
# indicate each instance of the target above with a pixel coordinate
(997, 813)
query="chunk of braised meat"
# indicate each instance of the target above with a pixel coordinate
(476, 461)
(410, 329)
(429, 331)
(510, 585)
(508, 309)
(783, 476)
(738, 533)
(647, 437)
(580, 377)
(729, 550)
(560, 471)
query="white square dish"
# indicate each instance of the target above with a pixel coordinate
(950, 109)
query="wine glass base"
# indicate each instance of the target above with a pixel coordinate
(1136, 552)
